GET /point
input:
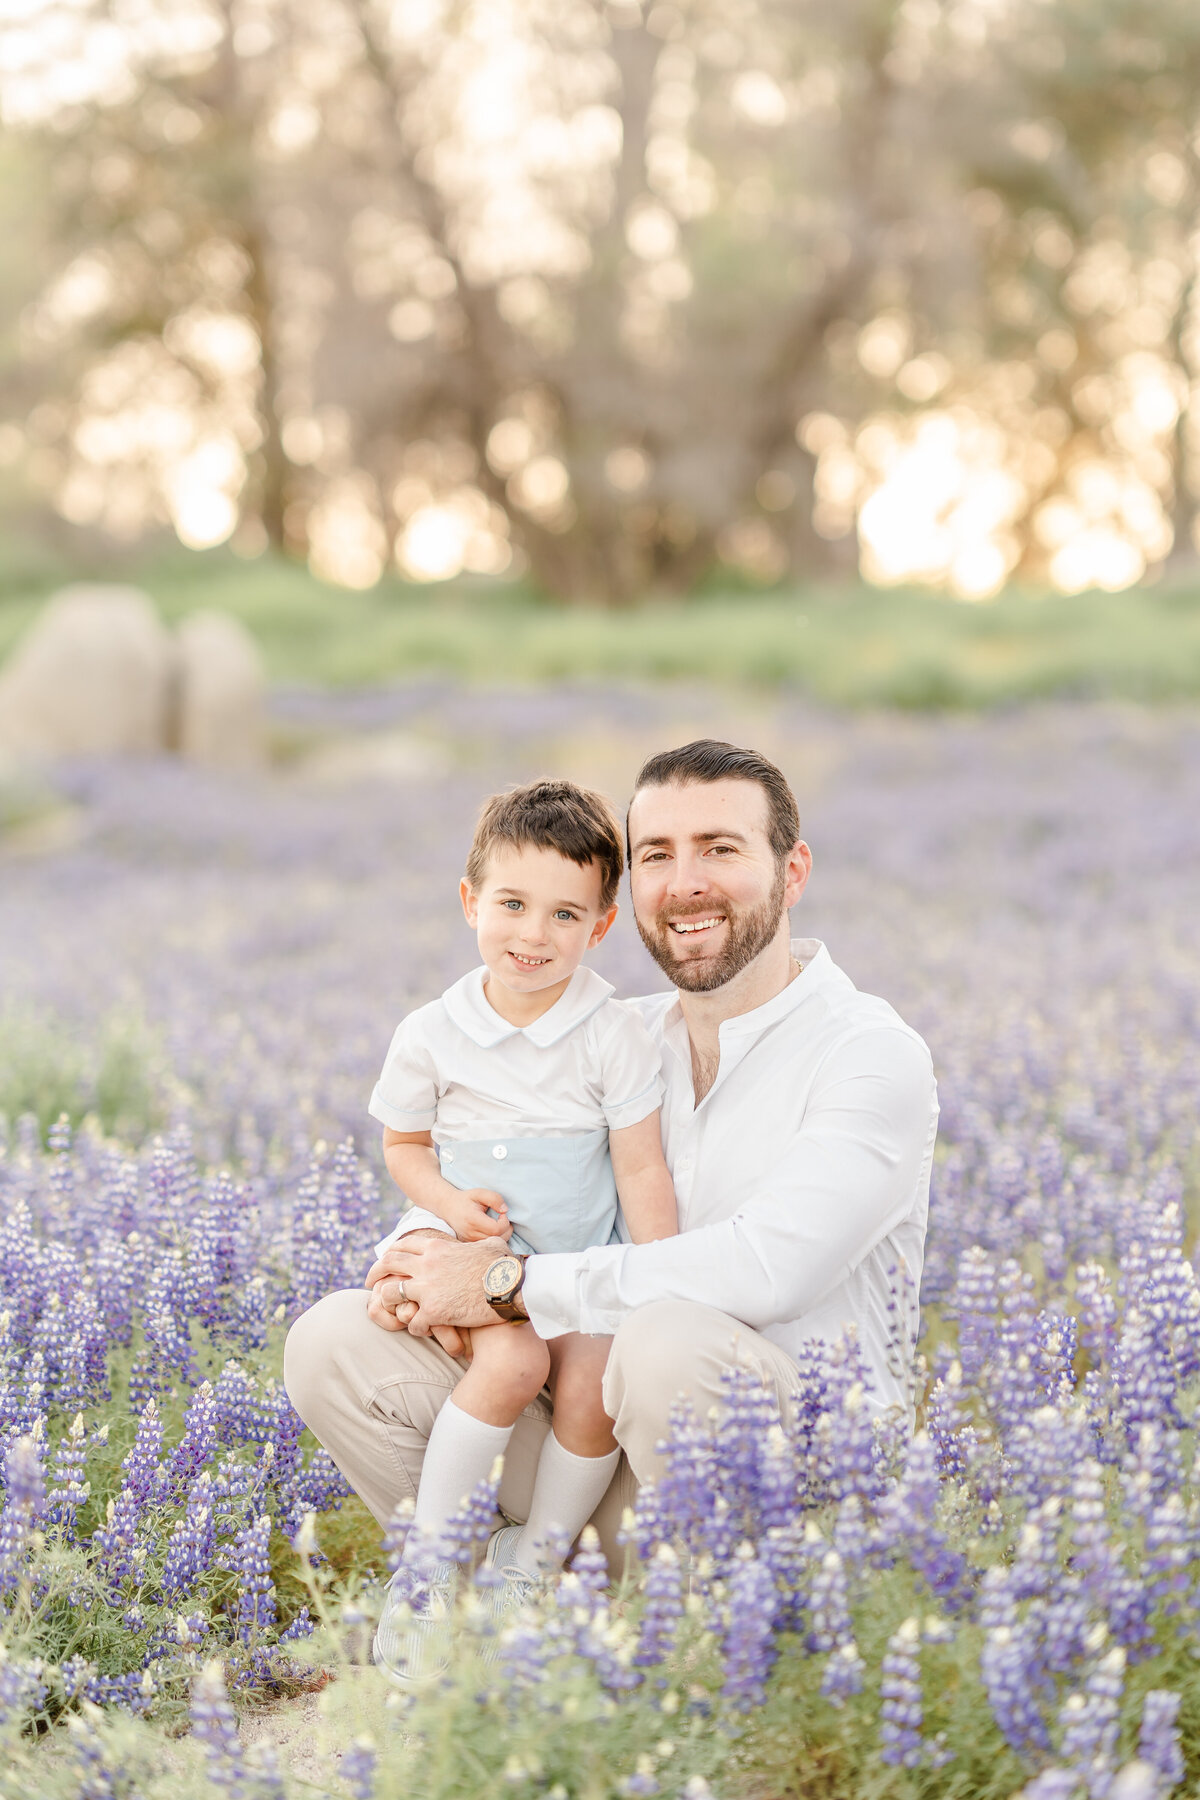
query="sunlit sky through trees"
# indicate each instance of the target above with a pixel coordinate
(610, 293)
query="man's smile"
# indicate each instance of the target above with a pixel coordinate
(705, 924)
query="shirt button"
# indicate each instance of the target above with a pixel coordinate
(500, 1152)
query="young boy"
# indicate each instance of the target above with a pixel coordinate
(524, 1104)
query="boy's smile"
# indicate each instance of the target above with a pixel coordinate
(534, 913)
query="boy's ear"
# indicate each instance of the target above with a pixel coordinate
(600, 928)
(470, 902)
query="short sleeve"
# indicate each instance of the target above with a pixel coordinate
(631, 1067)
(406, 1094)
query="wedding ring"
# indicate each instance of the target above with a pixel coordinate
(400, 1283)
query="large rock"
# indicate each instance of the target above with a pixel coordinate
(92, 674)
(221, 693)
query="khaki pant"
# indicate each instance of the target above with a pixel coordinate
(370, 1397)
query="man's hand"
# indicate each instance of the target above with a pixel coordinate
(388, 1308)
(443, 1277)
(470, 1213)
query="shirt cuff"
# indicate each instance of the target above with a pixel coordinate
(396, 1118)
(415, 1219)
(553, 1292)
(632, 1112)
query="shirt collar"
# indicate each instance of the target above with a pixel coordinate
(467, 1007)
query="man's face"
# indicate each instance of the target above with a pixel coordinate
(709, 893)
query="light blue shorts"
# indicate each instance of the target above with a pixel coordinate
(560, 1191)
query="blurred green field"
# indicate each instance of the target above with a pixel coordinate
(854, 645)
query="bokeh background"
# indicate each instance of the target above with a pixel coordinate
(607, 297)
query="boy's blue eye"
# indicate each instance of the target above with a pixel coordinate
(564, 914)
(512, 905)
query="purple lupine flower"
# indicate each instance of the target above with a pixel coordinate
(1090, 1720)
(975, 1305)
(114, 1541)
(396, 1534)
(357, 1768)
(141, 1465)
(250, 1557)
(23, 1689)
(192, 1543)
(196, 1445)
(662, 1608)
(242, 1417)
(24, 1503)
(588, 1565)
(1158, 1737)
(69, 1489)
(94, 1779)
(901, 1711)
(681, 1501)
(829, 1621)
(214, 1725)
(1144, 1374)
(524, 1652)
(1012, 1667)
(748, 1645)
(910, 1515)
(844, 1673)
(475, 1519)
(948, 1422)
(1052, 1346)
(301, 1627)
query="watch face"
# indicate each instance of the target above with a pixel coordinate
(500, 1277)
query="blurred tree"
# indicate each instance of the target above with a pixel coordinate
(619, 287)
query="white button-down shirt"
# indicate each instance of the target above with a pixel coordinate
(802, 1179)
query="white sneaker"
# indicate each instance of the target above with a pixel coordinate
(517, 1584)
(412, 1646)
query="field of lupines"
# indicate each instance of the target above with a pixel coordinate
(197, 981)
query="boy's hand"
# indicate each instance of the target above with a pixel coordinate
(470, 1214)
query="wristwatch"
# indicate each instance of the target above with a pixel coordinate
(502, 1283)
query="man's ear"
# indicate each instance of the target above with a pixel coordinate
(601, 927)
(470, 902)
(797, 871)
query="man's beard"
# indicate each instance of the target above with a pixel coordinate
(749, 933)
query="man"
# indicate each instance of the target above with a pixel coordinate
(798, 1123)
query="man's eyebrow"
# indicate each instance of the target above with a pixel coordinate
(696, 837)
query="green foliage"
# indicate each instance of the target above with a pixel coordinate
(852, 645)
(47, 1069)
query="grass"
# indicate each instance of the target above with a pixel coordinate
(46, 1070)
(853, 645)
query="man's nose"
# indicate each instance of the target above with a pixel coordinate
(689, 876)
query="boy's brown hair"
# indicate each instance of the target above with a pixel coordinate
(552, 815)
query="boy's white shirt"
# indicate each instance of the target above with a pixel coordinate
(802, 1179)
(461, 1072)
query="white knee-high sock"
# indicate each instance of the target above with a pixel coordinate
(459, 1455)
(567, 1489)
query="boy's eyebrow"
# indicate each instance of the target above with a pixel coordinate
(697, 837)
(520, 894)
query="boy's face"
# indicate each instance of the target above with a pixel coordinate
(535, 914)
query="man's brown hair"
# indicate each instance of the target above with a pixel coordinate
(552, 815)
(710, 760)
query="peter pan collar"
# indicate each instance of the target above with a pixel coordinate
(467, 1007)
